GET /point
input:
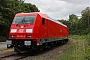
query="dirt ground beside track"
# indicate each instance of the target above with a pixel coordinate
(52, 54)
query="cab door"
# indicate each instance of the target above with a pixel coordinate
(45, 25)
(46, 28)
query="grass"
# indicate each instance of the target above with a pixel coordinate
(80, 50)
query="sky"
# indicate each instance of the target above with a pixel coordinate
(60, 9)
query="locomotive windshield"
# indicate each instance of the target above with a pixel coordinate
(24, 19)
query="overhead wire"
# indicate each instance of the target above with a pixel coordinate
(57, 7)
(48, 8)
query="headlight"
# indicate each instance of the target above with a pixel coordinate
(29, 30)
(13, 30)
(12, 36)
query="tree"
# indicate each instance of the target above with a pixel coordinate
(85, 16)
(73, 18)
(79, 26)
(8, 8)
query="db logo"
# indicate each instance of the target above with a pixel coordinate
(21, 30)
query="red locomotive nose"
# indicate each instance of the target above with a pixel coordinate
(22, 26)
(21, 31)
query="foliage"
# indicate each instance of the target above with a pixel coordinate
(2, 39)
(79, 49)
(8, 8)
(77, 25)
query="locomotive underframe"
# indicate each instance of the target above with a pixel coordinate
(24, 45)
(21, 45)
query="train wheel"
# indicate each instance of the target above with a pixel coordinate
(63, 41)
(67, 40)
(39, 48)
(16, 49)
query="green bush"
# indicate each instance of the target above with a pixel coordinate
(88, 39)
(2, 39)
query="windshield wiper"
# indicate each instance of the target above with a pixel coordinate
(23, 20)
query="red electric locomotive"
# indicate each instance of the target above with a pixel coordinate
(30, 30)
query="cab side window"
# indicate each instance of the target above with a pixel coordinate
(43, 21)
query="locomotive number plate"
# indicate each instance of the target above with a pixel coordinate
(21, 30)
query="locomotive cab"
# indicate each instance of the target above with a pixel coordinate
(21, 31)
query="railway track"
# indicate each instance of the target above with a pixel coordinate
(12, 56)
